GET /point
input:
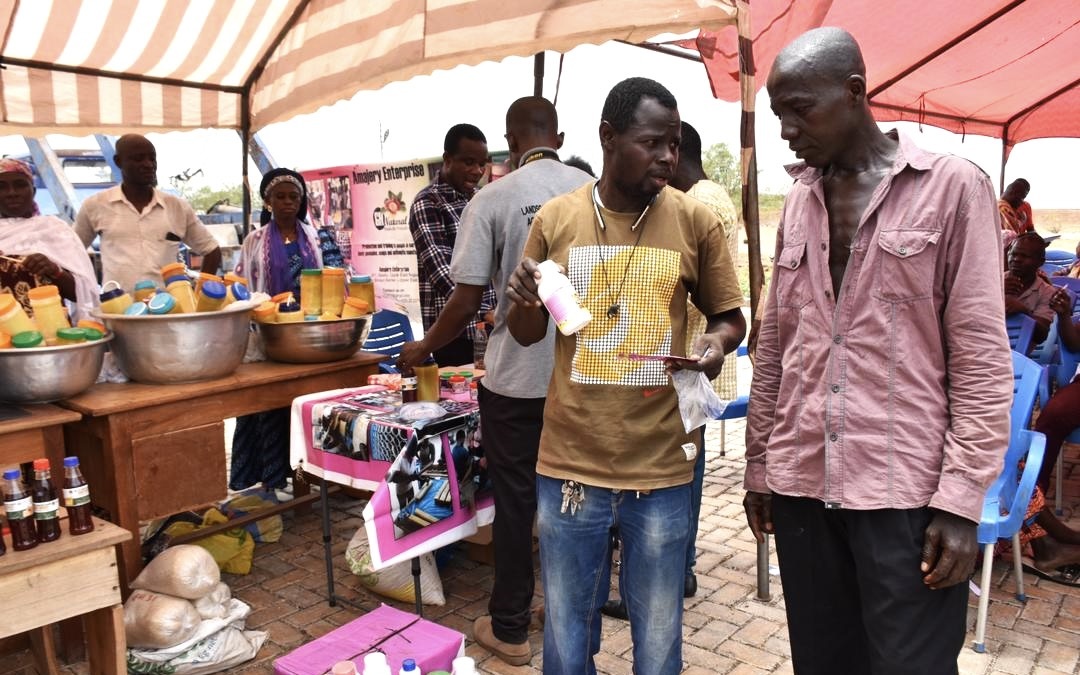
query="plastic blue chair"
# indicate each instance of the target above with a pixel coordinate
(1073, 285)
(1020, 328)
(389, 331)
(1063, 374)
(1056, 260)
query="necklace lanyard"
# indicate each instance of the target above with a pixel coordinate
(543, 153)
(616, 297)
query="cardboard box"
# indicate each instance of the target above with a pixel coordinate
(400, 635)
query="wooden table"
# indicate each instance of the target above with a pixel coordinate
(70, 577)
(28, 432)
(150, 451)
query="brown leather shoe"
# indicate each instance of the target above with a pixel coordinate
(512, 654)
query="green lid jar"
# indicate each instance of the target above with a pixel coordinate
(70, 336)
(27, 339)
(93, 334)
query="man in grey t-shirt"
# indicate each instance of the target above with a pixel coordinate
(494, 227)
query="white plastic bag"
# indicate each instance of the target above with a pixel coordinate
(698, 402)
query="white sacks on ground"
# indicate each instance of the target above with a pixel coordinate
(154, 621)
(214, 604)
(395, 581)
(217, 644)
(184, 571)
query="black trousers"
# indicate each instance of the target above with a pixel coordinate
(510, 432)
(856, 602)
(457, 353)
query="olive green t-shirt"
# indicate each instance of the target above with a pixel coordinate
(610, 421)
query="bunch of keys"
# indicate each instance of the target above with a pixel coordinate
(573, 494)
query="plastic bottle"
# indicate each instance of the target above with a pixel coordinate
(76, 495)
(144, 290)
(114, 300)
(333, 289)
(408, 385)
(480, 345)
(361, 286)
(311, 291)
(19, 508)
(427, 380)
(173, 269)
(237, 292)
(179, 286)
(46, 505)
(49, 313)
(161, 303)
(27, 340)
(558, 295)
(204, 277)
(210, 297)
(464, 665)
(234, 278)
(408, 667)
(375, 664)
(13, 318)
(344, 668)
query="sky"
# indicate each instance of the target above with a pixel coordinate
(415, 115)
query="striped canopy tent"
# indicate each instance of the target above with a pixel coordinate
(120, 66)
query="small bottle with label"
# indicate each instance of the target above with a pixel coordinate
(76, 498)
(408, 385)
(19, 509)
(46, 505)
(560, 299)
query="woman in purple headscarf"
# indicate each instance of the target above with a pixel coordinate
(271, 259)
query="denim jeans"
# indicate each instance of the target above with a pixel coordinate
(576, 570)
(695, 507)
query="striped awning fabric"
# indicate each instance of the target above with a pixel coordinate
(115, 66)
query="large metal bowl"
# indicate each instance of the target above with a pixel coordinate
(314, 341)
(175, 348)
(45, 374)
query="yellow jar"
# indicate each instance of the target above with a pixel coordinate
(94, 325)
(236, 292)
(280, 298)
(327, 316)
(114, 300)
(353, 308)
(427, 381)
(179, 287)
(144, 290)
(204, 277)
(265, 313)
(363, 287)
(5, 341)
(211, 297)
(333, 289)
(311, 283)
(49, 313)
(13, 318)
(289, 312)
(173, 269)
(70, 336)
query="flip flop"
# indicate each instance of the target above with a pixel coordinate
(1068, 575)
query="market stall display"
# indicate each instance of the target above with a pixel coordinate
(314, 341)
(45, 374)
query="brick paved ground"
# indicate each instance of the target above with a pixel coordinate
(725, 629)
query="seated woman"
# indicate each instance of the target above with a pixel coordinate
(39, 250)
(271, 259)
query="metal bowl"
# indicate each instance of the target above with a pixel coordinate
(175, 348)
(45, 374)
(314, 341)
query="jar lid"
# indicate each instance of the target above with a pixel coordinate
(161, 303)
(43, 292)
(71, 334)
(12, 474)
(290, 306)
(27, 338)
(207, 276)
(465, 373)
(87, 323)
(178, 277)
(172, 268)
(93, 333)
(110, 294)
(233, 278)
(144, 285)
(287, 296)
(446, 376)
(240, 291)
(71, 461)
(311, 273)
(41, 464)
(137, 309)
(361, 279)
(357, 303)
(333, 271)
(213, 289)
(457, 378)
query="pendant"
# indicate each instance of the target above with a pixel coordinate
(613, 311)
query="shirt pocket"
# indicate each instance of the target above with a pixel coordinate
(791, 276)
(907, 263)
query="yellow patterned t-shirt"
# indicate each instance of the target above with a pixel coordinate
(610, 421)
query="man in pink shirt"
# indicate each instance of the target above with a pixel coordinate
(882, 381)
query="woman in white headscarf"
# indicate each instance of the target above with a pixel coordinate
(37, 250)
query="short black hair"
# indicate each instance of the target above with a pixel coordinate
(690, 144)
(452, 142)
(623, 99)
(579, 163)
(1023, 183)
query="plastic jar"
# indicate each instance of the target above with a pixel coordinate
(265, 313)
(114, 300)
(137, 309)
(204, 277)
(144, 290)
(560, 299)
(211, 297)
(173, 269)
(5, 341)
(236, 292)
(474, 390)
(27, 339)
(49, 313)
(362, 287)
(234, 278)
(70, 336)
(13, 318)
(333, 289)
(354, 307)
(459, 385)
(444, 383)
(87, 323)
(179, 287)
(162, 303)
(427, 380)
(286, 296)
(311, 291)
(289, 312)
(93, 334)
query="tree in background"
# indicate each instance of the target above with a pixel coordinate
(722, 167)
(205, 197)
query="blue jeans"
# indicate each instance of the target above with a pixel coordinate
(576, 570)
(695, 507)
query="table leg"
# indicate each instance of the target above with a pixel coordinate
(43, 647)
(106, 643)
(324, 504)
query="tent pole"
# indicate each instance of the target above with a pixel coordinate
(1004, 158)
(538, 74)
(748, 165)
(245, 141)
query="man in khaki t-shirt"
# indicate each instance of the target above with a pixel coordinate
(613, 450)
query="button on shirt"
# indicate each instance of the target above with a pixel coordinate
(897, 394)
(135, 246)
